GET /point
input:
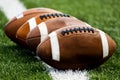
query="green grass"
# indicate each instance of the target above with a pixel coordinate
(16, 63)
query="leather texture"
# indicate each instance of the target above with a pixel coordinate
(78, 50)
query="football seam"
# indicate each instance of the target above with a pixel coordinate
(32, 37)
(52, 15)
(20, 38)
(83, 29)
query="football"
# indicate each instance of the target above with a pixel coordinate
(14, 24)
(22, 32)
(76, 47)
(40, 32)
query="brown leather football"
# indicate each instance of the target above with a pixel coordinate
(40, 32)
(13, 25)
(76, 47)
(32, 23)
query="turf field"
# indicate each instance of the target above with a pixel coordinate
(17, 63)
